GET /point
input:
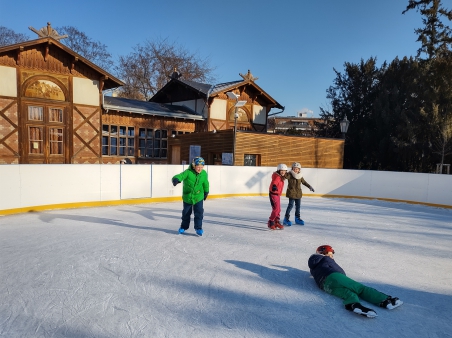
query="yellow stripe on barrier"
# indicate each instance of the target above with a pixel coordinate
(174, 199)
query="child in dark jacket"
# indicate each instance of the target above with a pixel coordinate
(275, 191)
(331, 278)
(294, 181)
(194, 193)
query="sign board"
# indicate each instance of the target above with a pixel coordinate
(226, 158)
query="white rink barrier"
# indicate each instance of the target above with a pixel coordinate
(28, 187)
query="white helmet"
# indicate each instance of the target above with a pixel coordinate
(281, 166)
(296, 165)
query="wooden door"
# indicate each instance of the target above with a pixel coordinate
(175, 155)
(45, 134)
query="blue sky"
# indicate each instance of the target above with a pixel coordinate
(291, 46)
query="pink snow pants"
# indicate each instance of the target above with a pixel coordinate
(275, 201)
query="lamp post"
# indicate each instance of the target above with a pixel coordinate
(344, 126)
(237, 104)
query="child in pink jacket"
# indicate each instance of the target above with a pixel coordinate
(275, 191)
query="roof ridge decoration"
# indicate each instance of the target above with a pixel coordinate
(48, 32)
(176, 75)
(248, 76)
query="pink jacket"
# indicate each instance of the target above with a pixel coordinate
(277, 184)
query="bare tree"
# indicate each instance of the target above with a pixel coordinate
(94, 51)
(9, 37)
(148, 68)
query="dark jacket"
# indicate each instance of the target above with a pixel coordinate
(294, 185)
(321, 267)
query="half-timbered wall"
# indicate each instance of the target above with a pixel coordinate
(259, 114)
(252, 116)
(218, 109)
(9, 121)
(39, 83)
(9, 131)
(86, 134)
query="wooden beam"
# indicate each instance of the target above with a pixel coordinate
(18, 51)
(102, 83)
(46, 53)
(74, 61)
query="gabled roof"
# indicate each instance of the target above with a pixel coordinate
(224, 87)
(110, 80)
(149, 108)
(183, 90)
(198, 86)
(177, 90)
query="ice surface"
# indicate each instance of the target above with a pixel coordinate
(124, 271)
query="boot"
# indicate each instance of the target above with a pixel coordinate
(299, 221)
(278, 225)
(286, 222)
(271, 225)
(391, 303)
(361, 310)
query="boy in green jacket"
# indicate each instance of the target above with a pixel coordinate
(194, 192)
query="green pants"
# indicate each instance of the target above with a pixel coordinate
(351, 291)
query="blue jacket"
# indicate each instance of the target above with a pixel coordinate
(321, 267)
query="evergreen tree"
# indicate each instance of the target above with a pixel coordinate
(435, 36)
(353, 95)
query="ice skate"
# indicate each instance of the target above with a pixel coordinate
(181, 230)
(271, 225)
(361, 310)
(391, 303)
(278, 225)
(286, 222)
(299, 221)
(199, 232)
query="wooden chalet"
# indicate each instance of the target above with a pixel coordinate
(240, 133)
(52, 110)
(50, 102)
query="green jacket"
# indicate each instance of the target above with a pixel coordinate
(294, 182)
(194, 185)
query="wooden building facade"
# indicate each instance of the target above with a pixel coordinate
(53, 111)
(139, 131)
(259, 149)
(50, 98)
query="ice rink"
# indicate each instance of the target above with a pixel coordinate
(124, 271)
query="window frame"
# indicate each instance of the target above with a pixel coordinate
(118, 140)
(153, 143)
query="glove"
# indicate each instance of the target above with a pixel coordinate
(205, 195)
(312, 189)
(175, 181)
(274, 188)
